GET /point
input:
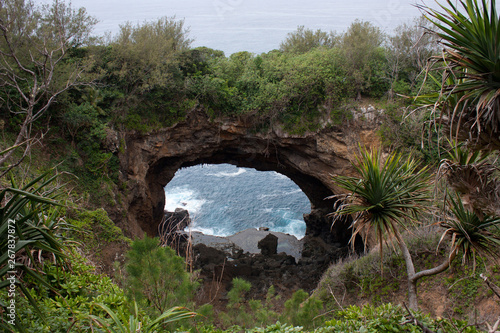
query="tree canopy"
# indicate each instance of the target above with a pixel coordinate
(34, 64)
(303, 40)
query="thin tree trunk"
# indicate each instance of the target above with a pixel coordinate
(412, 294)
(410, 270)
(23, 138)
(438, 269)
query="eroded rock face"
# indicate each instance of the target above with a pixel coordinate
(174, 221)
(149, 162)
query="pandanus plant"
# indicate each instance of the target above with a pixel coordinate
(473, 175)
(29, 231)
(388, 195)
(469, 233)
(120, 323)
(469, 30)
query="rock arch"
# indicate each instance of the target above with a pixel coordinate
(150, 161)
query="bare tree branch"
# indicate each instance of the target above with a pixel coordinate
(33, 50)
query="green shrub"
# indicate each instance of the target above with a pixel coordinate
(237, 293)
(277, 328)
(156, 277)
(69, 294)
(95, 230)
(242, 312)
(238, 310)
(387, 318)
(302, 310)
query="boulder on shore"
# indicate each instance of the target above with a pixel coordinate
(268, 245)
(247, 241)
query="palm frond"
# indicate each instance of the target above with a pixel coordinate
(172, 315)
(29, 221)
(133, 323)
(459, 154)
(385, 192)
(470, 233)
(470, 90)
(470, 174)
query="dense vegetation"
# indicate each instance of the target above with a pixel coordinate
(62, 92)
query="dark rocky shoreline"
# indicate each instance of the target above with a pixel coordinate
(264, 258)
(247, 241)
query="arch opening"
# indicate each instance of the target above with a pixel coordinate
(223, 199)
(283, 161)
(151, 161)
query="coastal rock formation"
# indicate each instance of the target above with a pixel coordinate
(268, 245)
(249, 241)
(283, 261)
(174, 221)
(149, 161)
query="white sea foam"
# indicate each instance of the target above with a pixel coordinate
(182, 197)
(208, 230)
(295, 228)
(205, 231)
(228, 174)
(289, 224)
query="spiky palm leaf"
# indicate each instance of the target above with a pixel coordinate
(29, 221)
(470, 233)
(470, 174)
(470, 33)
(467, 171)
(386, 193)
(459, 154)
(133, 324)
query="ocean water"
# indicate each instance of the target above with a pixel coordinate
(224, 199)
(251, 25)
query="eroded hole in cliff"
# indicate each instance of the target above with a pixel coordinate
(227, 205)
(223, 200)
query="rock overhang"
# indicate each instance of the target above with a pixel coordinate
(150, 161)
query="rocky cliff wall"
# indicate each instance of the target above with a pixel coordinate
(149, 161)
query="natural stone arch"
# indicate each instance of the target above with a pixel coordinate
(150, 161)
(163, 171)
